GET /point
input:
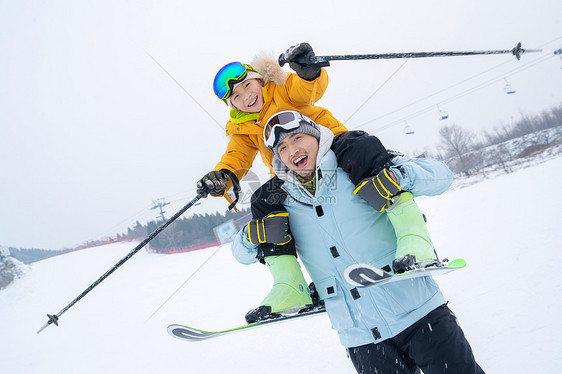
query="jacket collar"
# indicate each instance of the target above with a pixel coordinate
(250, 123)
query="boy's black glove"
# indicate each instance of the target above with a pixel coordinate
(213, 182)
(273, 229)
(301, 59)
(377, 190)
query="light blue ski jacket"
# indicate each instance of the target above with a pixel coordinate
(335, 228)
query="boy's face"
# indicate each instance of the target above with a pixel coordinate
(247, 96)
(298, 152)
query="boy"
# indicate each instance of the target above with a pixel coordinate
(398, 327)
(254, 93)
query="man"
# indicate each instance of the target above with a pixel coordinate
(344, 200)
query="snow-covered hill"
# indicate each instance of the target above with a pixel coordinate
(508, 156)
(508, 300)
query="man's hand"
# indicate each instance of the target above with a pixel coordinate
(378, 189)
(273, 228)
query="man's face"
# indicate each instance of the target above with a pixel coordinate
(248, 96)
(298, 152)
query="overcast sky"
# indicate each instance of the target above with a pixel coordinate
(93, 130)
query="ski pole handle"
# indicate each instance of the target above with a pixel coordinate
(313, 61)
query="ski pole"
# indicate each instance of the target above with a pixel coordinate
(54, 318)
(325, 60)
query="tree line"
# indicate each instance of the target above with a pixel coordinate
(29, 255)
(184, 232)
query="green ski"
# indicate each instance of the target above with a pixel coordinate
(194, 334)
(366, 275)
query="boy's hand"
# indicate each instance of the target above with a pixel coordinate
(213, 182)
(378, 189)
(301, 53)
(272, 229)
(301, 59)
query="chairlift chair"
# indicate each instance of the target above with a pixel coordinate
(407, 129)
(508, 89)
(442, 114)
(559, 52)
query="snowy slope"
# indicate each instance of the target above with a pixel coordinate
(507, 300)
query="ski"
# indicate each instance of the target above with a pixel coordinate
(192, 334)
(358, 275)
(366, 275)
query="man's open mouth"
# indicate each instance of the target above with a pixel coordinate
(300, 161)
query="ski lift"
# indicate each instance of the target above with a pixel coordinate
(442, 114)
(559, 52)
(508, 89)
(407, 129)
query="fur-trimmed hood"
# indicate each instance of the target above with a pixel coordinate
(268, 66)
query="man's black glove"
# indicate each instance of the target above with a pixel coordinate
(377, 190)
(301, 59)
(273, 229)
(213, 182)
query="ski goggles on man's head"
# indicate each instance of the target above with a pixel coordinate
(283, 122)
(228, 76)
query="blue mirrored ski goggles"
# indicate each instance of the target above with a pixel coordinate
(228, 76)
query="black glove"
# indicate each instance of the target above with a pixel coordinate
(272, 229)
(301, 59)
(377, 190)
(213, 182)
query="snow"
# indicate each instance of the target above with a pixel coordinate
(507, 299)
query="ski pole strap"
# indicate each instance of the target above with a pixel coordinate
(235, 187)
(377, 190)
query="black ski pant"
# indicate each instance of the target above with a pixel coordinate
(434, 344)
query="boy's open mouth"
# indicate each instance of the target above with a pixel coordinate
(253, 101)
